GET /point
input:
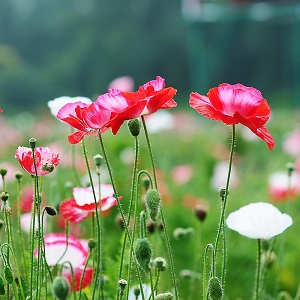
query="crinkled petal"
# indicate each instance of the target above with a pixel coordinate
(73, 212)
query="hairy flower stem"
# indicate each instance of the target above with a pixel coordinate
(258, 263)
(82, 275)
(224, 199)
(37, 212)
(132, 206)
(116, 195)
(98, 269)
(166, 236)
(21, 240)
(212, 271)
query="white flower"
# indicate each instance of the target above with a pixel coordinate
(56, 104)
(259, 221)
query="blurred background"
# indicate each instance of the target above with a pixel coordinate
(74, 47)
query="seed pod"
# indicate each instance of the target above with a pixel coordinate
(164, 296)
(153, 204)
(134, 126)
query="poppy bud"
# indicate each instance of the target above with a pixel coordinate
(92, 243)
(134, 126)
(146, 183)
(222, 192)
(164, 296)
(291, 168)
(98, 160)
(143, 254)
(4, 196)
(2, 286)
(51, 211)
(18, 175)
(8, 274)
(215, 289)
(3, 172)
(60, 288)
(153, 204)
(200, 212)
(122, 285)
(160, 263)
(136, 291)
(32, 142)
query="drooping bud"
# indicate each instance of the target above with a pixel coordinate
(3, 172)
(98, 160)
(50, 210)
(2, 286)
(215, 290)
(200, 212)
(164, 296)
(153, 204)
(160, 263)
(150, 226)
(32, 142)
(143, 254)
(60, 288)
(8, 274)
(134, 126)
(92, 244)
(146, 183)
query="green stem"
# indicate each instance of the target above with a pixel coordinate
(83, 273)
(257, 285)
(97, 217)
(213, 266)
(224, 199)
(72, 276)
(166, 236)
(116, 195)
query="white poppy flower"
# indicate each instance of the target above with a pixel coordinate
(56, 104)
(259, 221)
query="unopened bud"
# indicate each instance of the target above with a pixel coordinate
(32, 142)
(4, 196)
(60, 288)
(98, 160)
(146, 183)
(160, 263)
(51, 211)
(200, 212)
(153, 204)
(150, 226)
(3, 172)
(291, 168)
(222, 192)
(92, 243)
(8, 274)
(122, 285)
(136, 291)
(143, 254)
(164, 296)
(18, 175)
(215, 289)
(134, 126)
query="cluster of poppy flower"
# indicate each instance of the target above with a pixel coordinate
(230, 104)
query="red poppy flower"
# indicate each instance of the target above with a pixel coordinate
(82, 205)
(84, 117)
(233, 104)
(45, 160)
(1, 110)
(58, 250)
(150, 97)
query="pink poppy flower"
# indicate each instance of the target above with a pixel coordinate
(123, 83)
(45, 160)
(234, 104)
(182, 174)
(279, 186)
(291, 143)
(1, 110)
(82, 205)
(87, 119)
(76, 254)
(150, 97)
